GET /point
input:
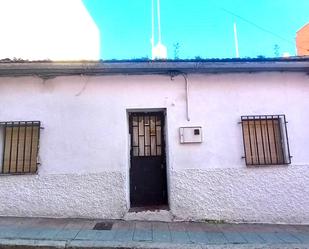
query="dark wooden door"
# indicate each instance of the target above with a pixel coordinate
(148, 168)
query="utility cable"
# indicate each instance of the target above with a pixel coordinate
(256, 25)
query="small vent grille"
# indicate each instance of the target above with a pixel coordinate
(103, 226)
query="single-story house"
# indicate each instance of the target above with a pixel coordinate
(220, 140)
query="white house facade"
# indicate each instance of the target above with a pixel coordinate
(205, 140)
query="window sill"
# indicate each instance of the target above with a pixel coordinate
(18, 174)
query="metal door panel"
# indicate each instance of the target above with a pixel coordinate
(148, 168)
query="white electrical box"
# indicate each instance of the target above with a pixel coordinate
(190, 134)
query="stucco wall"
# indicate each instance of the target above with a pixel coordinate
(68, 195)
(274, 195)
(84, 145)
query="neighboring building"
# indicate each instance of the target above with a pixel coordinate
(206, 140)
(49, 29)
(302, 41)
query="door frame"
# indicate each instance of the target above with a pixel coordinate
(164, 130)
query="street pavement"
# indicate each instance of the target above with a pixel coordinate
(49, 233)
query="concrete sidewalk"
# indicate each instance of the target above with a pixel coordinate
(80, 233)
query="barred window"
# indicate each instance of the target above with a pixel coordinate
(265, 140)
(146, 134)
(19, 142)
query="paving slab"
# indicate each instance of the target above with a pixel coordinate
(213, 228)
(270, 238)
(49, 223)
(29, 234)
(48, 234)
(302, 237)
(253, 238)
(9, 233)
(66, 234)
(161, 232)
(287, 238)
(26, 223)
(224, 227)
(302, 228)
(234, 237)
(76, 224)
(105, 235)
(124, 231)
(198, 237)
(9, 221)
(142, 231)
(216, 238)
(80, 244)
(179, 233)
(87, 235)
(79, 233)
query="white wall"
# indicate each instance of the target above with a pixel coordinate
(49, 29)
(86, 137)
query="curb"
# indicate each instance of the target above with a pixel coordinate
(25, 244)
(46, 244)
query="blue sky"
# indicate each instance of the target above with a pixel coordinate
(202, 28)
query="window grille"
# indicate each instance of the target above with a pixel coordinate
(265, 140)
(146, 134)
(19, 142)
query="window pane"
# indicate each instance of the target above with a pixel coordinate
(141, 146)
(159, 151)
(141, 126)
(147, 135)
(153, 126)
(153, 146)
(135, 121)
(147, 151)
(146, 120)
(1, 147)
(158, 135)
(135, 151)
(33, 162)
(135, 136)
(7, 150)
(21, 144)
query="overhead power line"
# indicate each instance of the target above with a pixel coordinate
(256, 25)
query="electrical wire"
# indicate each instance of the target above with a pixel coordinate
(257, 26)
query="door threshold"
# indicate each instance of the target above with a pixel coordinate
(149, 208)
(150, 213)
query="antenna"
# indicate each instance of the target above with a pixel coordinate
(158, 51)
(236, 40)
(159, 20)
(152, 24)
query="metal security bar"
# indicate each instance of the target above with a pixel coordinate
(146, 134)
(20, 144)
(265, 140)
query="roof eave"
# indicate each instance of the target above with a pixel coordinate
(53, 69)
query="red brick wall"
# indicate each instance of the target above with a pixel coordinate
(302, 41)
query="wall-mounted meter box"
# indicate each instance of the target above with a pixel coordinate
(190, 134)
